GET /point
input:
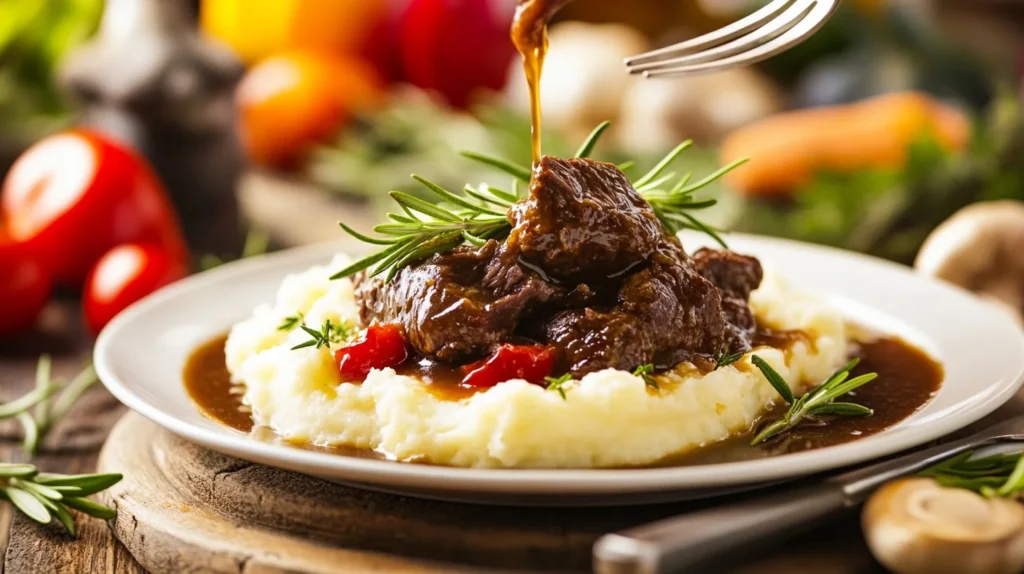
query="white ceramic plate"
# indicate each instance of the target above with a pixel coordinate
(140, 357)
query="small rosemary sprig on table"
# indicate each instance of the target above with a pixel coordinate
(51, 399)
(819, 401)
(423, 228)
(329, 333)
(43, 496)
(997, 475)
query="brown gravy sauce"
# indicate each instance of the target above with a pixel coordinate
(907, 379)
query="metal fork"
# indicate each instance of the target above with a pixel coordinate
(774, 28)
(703, 540)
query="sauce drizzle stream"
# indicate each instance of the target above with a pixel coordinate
(530, 36)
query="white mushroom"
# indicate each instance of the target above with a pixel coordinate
(916, 526)
(584, 78)
(658, 113)
(981, 248)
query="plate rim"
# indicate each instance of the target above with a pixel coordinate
(554, 482)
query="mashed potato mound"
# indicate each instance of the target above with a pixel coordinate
(609, 418)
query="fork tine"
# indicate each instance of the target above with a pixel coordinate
(726, 33)
(776, 27)
(813, 21)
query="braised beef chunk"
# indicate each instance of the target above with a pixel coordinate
(736, 276)
(454, 306)
(666, 313)
(587, 269)
(582, 221)
(592, 340)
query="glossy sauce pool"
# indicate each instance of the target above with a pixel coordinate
(907, 379)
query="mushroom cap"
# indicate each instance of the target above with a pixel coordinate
(917, 526)
(980, 248)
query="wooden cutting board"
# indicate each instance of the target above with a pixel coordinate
(184, 508)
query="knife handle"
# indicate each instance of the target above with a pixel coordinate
(692, 542)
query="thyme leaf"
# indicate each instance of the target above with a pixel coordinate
(329, 334)
(557, 384)
(646, 372)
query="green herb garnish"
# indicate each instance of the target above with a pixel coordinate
(329, 333)
(816, 402)
(557, 384)
(646, 372)
(43, 496)
(997, 475)
(290, 322)
(423, 228)
(725, 358)
(40, 409)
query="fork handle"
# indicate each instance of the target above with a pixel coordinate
(691, 542)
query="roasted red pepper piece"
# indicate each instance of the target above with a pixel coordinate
(382, 346)
(528, 362)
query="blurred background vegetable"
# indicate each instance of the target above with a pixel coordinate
(291, 100)
(867, 137)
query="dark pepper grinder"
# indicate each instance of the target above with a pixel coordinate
(149, 79)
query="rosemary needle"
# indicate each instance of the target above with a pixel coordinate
(423, 228)
(819, 401)
(39, 410)
(42, 497)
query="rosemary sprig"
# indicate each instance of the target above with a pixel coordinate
(40, 409)
(557, 384)
(646, 372)
(819, 401)
(44, 496)
(329, 333)
(997, 475)
(423, 228)
(725, 358)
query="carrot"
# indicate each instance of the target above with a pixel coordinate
(787, 149)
